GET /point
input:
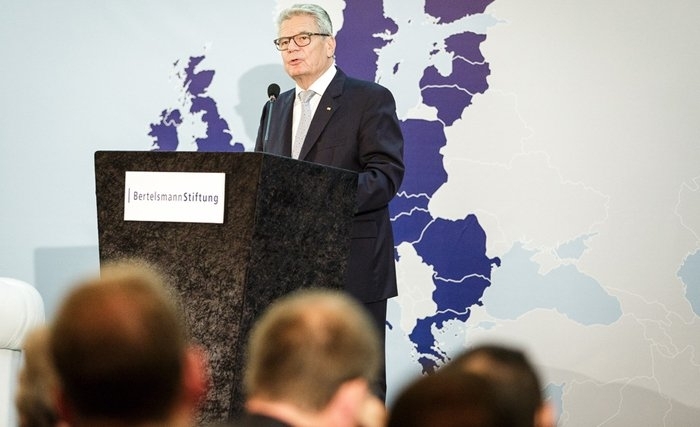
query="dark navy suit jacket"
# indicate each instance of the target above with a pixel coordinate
(355, 127)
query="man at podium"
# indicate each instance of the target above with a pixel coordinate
(335, 120)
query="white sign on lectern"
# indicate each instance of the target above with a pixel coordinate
(174, 197)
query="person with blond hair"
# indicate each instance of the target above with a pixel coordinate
(37, 383)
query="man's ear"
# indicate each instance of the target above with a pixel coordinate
(330, 46)
(195, 376)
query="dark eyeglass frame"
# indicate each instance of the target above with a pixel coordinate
(282, 43)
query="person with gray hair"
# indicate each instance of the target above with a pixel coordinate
(332, 119)
(310, 361)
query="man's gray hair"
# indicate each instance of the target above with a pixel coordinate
(323, 21)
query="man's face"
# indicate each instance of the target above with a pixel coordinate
(306, 64)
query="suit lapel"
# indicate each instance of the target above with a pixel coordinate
(329, 104)
(286, 123)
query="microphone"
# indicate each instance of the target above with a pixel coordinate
(273, 91)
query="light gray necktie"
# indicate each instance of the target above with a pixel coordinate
(304, 96)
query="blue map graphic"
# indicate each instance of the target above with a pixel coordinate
(455, 249)
(195, 83)
(689, 274)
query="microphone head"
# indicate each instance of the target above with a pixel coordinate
(273, 91)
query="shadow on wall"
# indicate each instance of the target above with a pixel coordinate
(57, 269)
(252, 94)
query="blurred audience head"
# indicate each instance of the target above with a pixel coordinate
(448, 399)
(121, 351)
(515, 379)
(310, 360)
(37, 383)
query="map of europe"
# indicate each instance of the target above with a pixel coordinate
(453, 249)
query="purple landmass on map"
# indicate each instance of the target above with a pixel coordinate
(218, 136)
(164, 133)
(356, 42)
(451, 10)
(429, 354)
(409, 226)
(456, 250)
(422, 143)
(451, 94)
(466, 45)
(197, 82)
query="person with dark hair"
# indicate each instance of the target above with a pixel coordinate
(515, 380)
(311, 359)
(332, 119)
(455, 399)
(121, 352)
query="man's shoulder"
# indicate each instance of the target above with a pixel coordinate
(354, 81)
(287, 94)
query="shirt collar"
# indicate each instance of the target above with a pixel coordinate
(321, 83)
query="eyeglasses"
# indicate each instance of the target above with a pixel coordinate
(301, 40)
